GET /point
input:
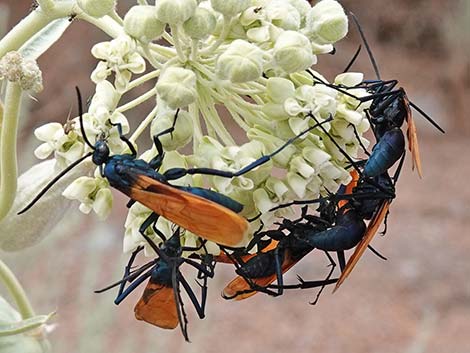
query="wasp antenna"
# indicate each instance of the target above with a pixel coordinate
(353, 59)
(427, 117)
(53, 181)
(369, 51)
(80, 114)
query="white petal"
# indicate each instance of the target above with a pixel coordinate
(46, 132)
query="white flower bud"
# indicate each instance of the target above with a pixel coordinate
(177, 87)
(326, 22)
(241, 62)
(97, 8)
(201, 24)
(175, 11)
(230, 8)
(141, 23)
(293, 52)
(302, 6)
(283, 15)
(182, 134)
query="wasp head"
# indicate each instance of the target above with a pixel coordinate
(101, 153)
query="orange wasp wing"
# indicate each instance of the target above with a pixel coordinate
(371, 230)
(412, 136)
(349, 188)
(157, 306)
(240, 285)
(203, 217)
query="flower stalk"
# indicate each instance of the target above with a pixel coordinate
(8, 158)
(16, 291)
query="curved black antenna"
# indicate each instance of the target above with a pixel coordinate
(351, 62)
(369, 51)
(53, 181)
(80, 114)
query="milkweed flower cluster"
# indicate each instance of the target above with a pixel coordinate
(249, 58)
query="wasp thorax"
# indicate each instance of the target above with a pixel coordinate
(101, 153)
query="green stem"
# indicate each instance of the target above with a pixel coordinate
(143, 125)
(142, 79)
(144, 50)
(176, 37)
(8, 162)
(24, 30)
(115, 16)
(106, 24)
(225, 31)
(139, 100)
(16, 291)
(197, 135)
(46, 5)
(194, 50)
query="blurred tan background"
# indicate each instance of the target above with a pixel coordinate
(417, 301)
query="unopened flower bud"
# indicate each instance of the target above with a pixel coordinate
(283, 15)
(326, 22)
(182, 134)
(293, 52)
(241, 62)
(230, 8)
(201, 24)
(177, 87)
(175, 11)
(97, 8)
(141, 23)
